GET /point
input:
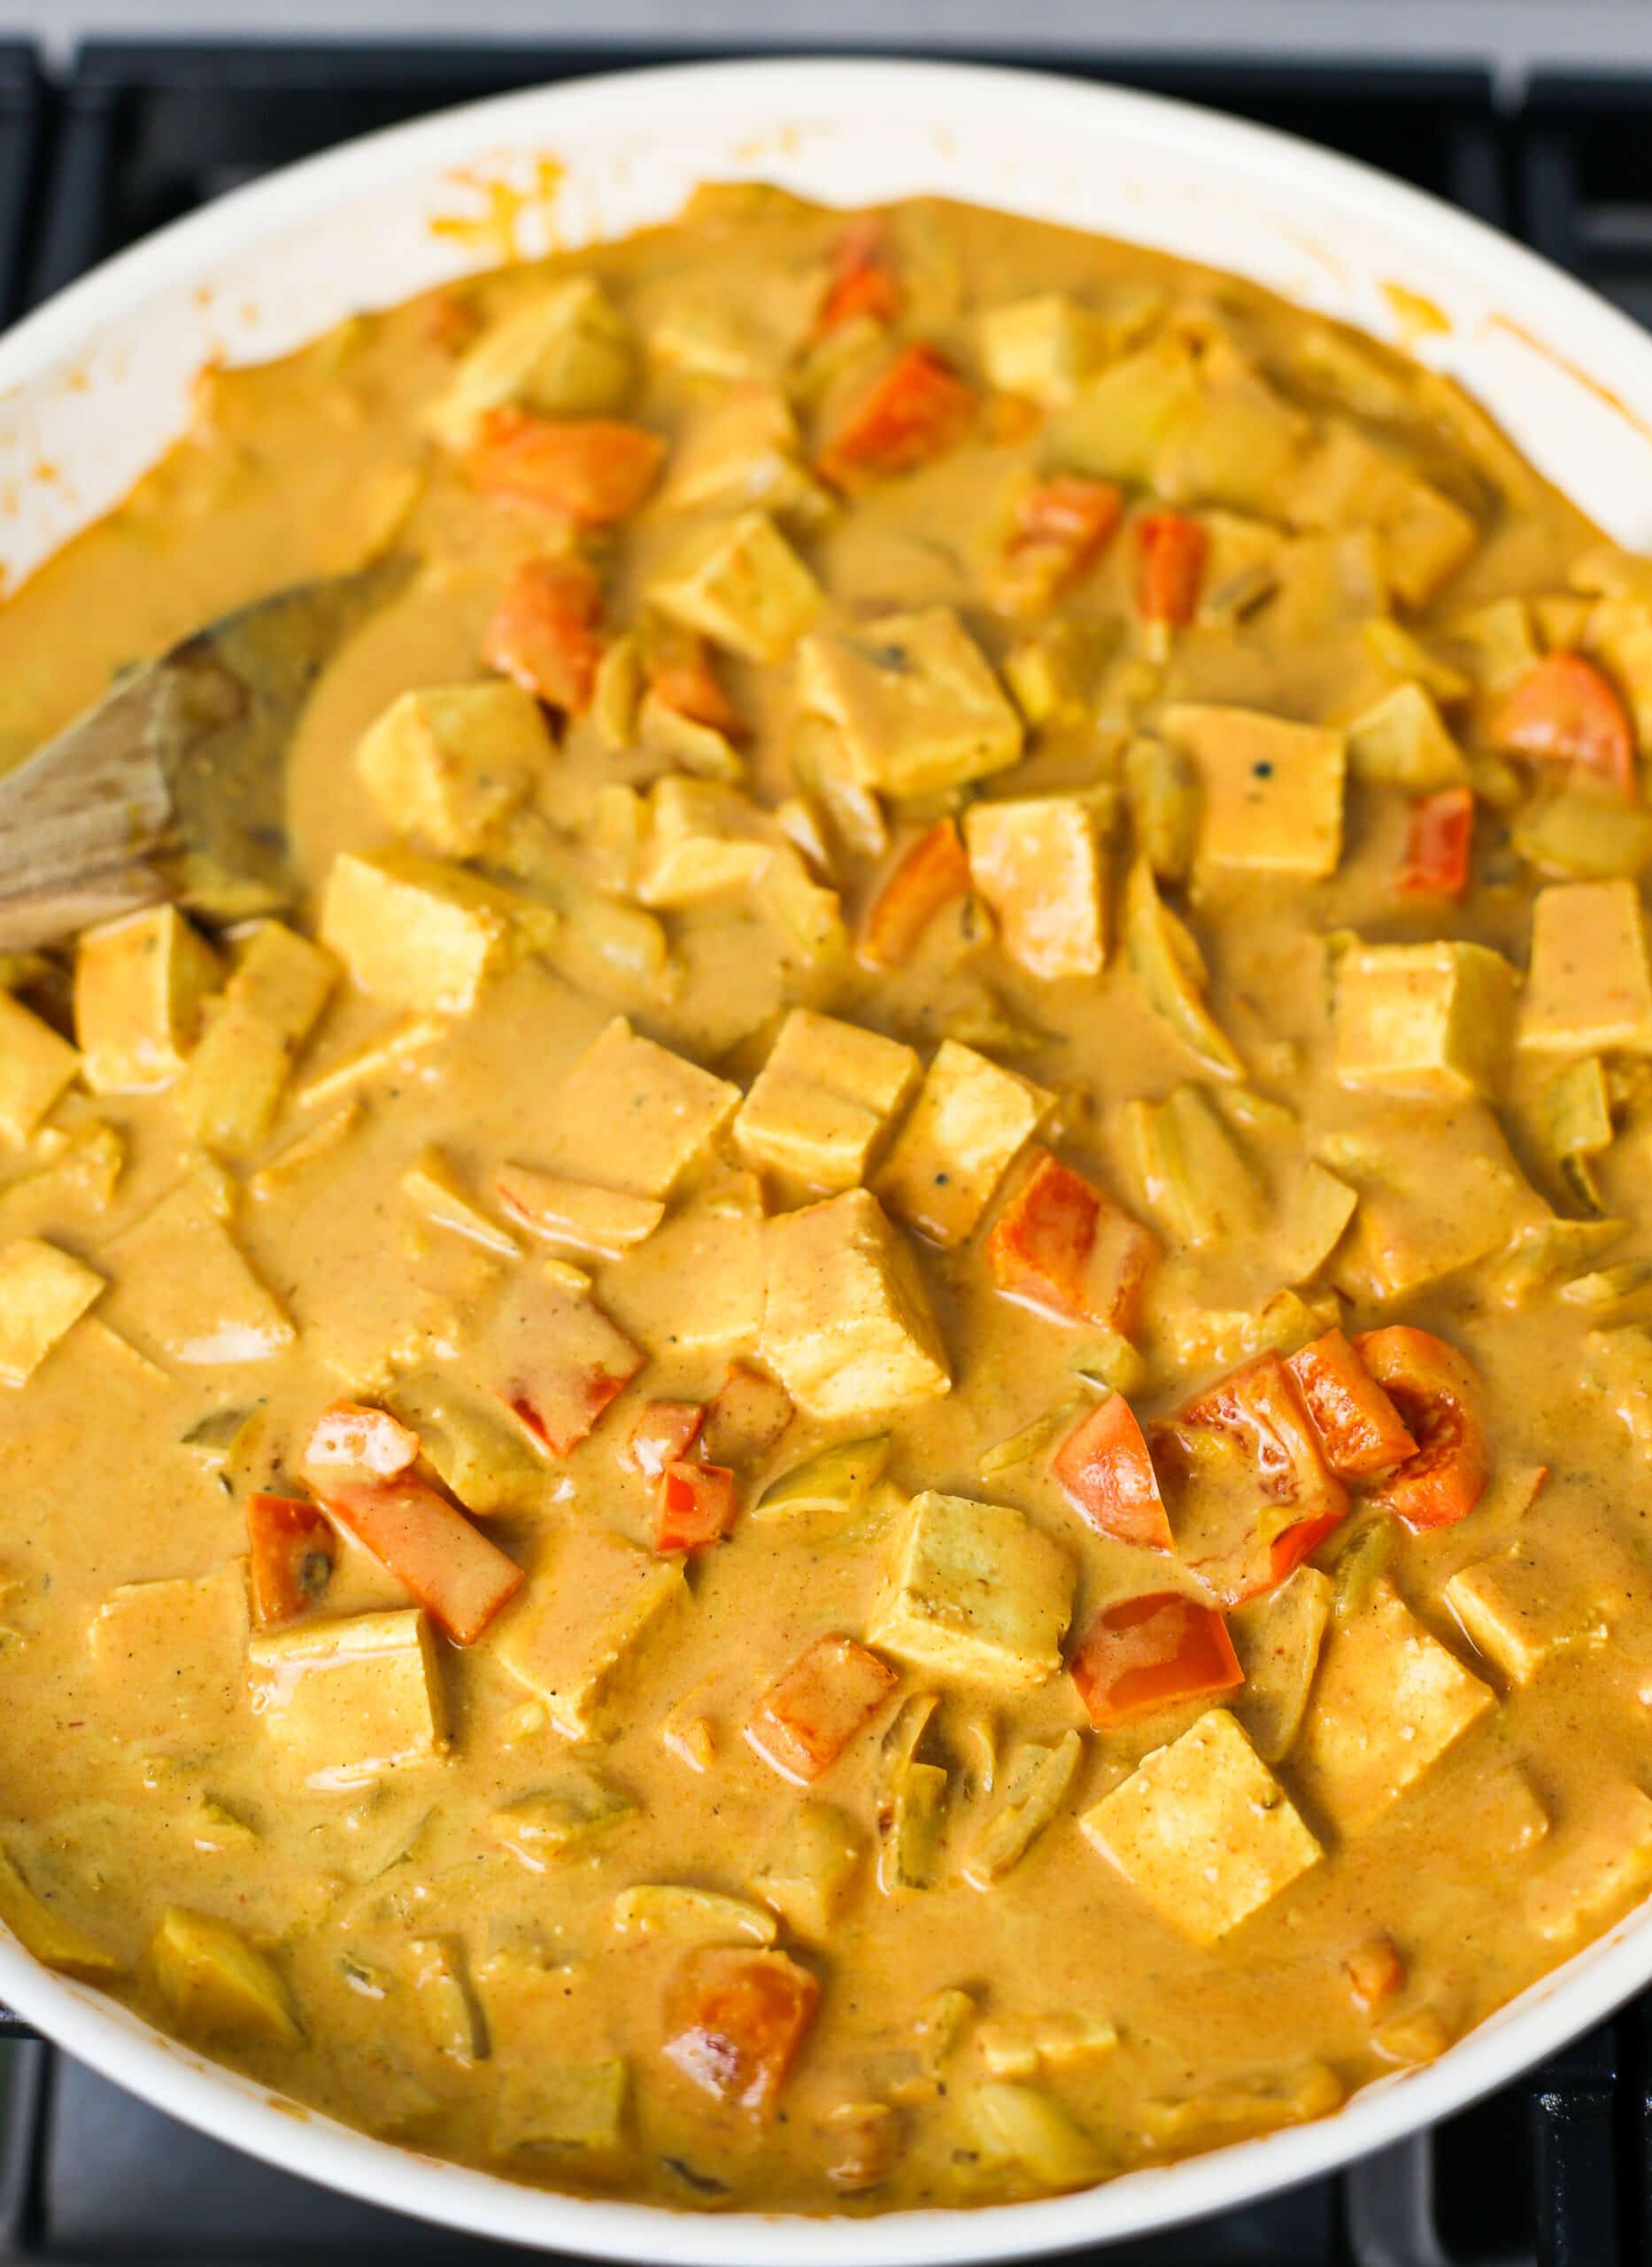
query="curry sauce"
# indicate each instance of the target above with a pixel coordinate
(870, 1429)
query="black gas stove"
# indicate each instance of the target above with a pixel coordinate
(1557, 2169)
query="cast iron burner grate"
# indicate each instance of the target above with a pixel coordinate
(1554, 2172)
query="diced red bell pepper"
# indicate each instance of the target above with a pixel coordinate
(1147, 1654)
(682, 675)
(1104, 1472)
(1360, 1430)
(1170, 566)
(459, 1578)
(594, 470)
(1249, 1492)
(1439, 845)
(931, 873)
(736, 2021)
(663, 1434)
(568, 1369)
(747, 1416)
(805, 1719)
(1434, 1390)
(544, 633)
(1063, 1245)
(1062, 528)
(292, 1552)
(914, 411)
(696, 1506)
(352, 1437)
(1564, 711)
(860, 285)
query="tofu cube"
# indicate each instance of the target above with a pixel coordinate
(1413, 1228)
(976, 1593)
(36, 1068)
(811, 1871)
(168, 1658)
(1349, 481)
(140, 987)
(741, 583)
(344, 1699)
(822, 1102)
(1044, 347)
(446, 762)
(1388, 1702)
(915, 699)
(633, 1116)
(413, 932)
(571, 2113)
(743, 452)
(1589, 987)
(705, 840)
(1521, 1608)
(847, 1325)
(1203, 1830)
(232, 1085)
(185, 1289)
(1603, 1866)
(1429, 1019)
(969, 1123)
(1273, 791)
(564, 353)
(578, 1626)
(1038, 864)
(44, 1293)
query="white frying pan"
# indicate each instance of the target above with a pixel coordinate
(94, 386)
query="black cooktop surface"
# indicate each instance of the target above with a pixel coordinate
(1557, 2169)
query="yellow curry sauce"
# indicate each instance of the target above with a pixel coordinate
(697, 1499)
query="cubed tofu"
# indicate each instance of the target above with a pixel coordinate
(974, 1592)
(344, 1699)
(570, 2114)
(1589, 987)
(1431, 1019)
(168, 1658)
(232, 1084)
(1273, 791)
(1523, 1607)
(1400, 741)
(1388, 1702)
(1600, 1868)
(1038, 864)
(740, 582)
(185, 1289)
(37, 1069)
(217, 1985)
(824, 1099)
(563, 353)
(1414, 1225)
(1044, 347)
(44, 1293)
(848, 1327)
(695, 1288)
(812, 1869)
(445, 763)
(915, 699)
(741, 451)
(1349, 481)
(581, 1623)
(140, 987)
(413, 932)
(970, 1122)
(1203, 1830)
(633, 1116)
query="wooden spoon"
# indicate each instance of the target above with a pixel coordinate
(174, 786)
